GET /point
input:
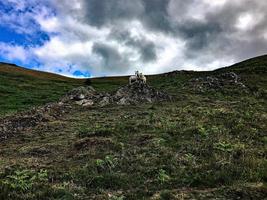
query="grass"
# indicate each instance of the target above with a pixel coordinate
(207, 145)
(21, 89)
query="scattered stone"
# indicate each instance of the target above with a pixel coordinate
(229, 80)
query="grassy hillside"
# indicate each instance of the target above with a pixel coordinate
(254, 65)
(209, 145)
(21, 88)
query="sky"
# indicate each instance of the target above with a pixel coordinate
(84, 38)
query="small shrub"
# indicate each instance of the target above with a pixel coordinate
(108, 163)
(202, 131)
(190, 158)
(23, 180)
(223, 146)
(163, 176)
(15, 184)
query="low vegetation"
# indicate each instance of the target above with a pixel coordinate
(200, 145)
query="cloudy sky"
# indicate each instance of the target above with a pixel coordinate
(116, 37)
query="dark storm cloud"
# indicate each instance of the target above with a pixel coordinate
(153, 13)
(148, 52)
(111, 57)
(146, 48)
(219, 31)
(103, 12)
(156, 16)
(198, 34)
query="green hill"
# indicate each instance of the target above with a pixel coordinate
(204, 144)
(22, 88)
(254, 65)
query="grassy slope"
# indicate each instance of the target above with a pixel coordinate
(21, 88)
(200, 145)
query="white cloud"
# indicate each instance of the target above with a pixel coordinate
(56, 48)
(216, 3)
(14, 52)
(245, 22)
(48, 24)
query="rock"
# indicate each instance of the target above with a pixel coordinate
(123, 101)
(79, 97)
(138, 93)
(229, 80)
(105, 101)
(85, 102)
(80, 102)
(60, 103)
(79, 93)
(88, 103)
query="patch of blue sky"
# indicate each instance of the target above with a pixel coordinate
(30, 64)
(82, 74)
(17, 28)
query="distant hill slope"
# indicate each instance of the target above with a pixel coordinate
(256, 65)
(253, 71)
(16, 70)
(23, 88)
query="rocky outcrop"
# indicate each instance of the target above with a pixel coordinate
(134, 93)
(229, 80)
(138, 93)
